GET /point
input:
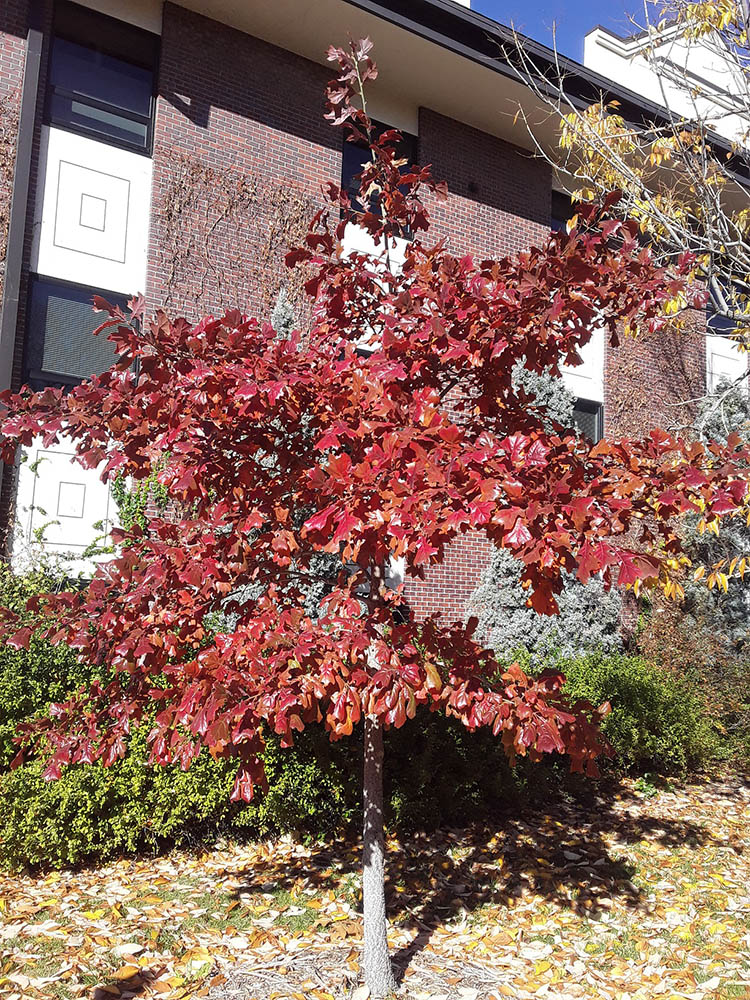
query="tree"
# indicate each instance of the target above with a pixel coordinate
(684, 173)
(404, 385)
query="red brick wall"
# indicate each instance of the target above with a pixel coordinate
(653, 380)
(500, 196)
(241, 151)
(13, 29)
(499, 204)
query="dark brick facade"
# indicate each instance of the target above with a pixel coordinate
(653, 380)
(500, 196)
(240, 122)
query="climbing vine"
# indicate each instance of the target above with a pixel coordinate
(138, 501)
(8, 134)
(223, 232)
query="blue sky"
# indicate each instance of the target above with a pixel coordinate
(573, 18)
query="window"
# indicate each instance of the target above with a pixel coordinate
(588, 418)
(101, 77)
(723, 326)
(562, 210)
(60, 347)
(354, 156)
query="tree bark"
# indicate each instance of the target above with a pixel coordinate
(379, 976)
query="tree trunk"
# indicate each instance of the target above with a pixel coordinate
(377, 962)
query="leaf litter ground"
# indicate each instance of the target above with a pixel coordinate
(631, 894)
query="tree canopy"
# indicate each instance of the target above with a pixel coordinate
(404, 385)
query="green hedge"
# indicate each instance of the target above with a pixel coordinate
(436, 771)
(657, 723)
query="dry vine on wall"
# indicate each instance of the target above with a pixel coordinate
(672, 364)
(8, 137)
(223, 238)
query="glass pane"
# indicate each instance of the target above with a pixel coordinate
(587, 419)
(354, 157)
(67, 111)
(61, 325)
(720, 326)
(562, 210)
(90, 73)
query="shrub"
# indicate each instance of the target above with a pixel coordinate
(549, 401)
(657, 722)
(92, 813)
(589, 616)
(31, 679)
(691, 643)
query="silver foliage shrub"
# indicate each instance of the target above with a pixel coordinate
(725, 411)
(549, 399)
(589, 616)
(283, 319)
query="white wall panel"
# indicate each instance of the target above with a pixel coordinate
(586, 381)
(92, 213)
(682, 75)
(358, 240)
(723, 360)
(59, 507)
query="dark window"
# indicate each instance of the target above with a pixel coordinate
(738, 302)
(101, 77)
(719, 326)
(60, 346)
(588, 418)
(355, 155)
(562, 210)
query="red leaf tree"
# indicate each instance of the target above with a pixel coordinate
(385, 431)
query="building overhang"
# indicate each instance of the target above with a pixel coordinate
(437, 54)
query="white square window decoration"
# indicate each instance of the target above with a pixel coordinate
(71, 499)
(93, 213)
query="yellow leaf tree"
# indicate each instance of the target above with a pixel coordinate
(684, 172)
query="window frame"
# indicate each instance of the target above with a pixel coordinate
(596, 409)
(409, 138)
(40, 377)
(556, 223)
(110, 37)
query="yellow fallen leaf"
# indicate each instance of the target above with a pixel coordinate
(126, 972)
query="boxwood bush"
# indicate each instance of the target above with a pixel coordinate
(657, 722)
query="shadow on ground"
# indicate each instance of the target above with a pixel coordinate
(561, 853)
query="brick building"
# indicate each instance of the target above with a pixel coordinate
(176, 148)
